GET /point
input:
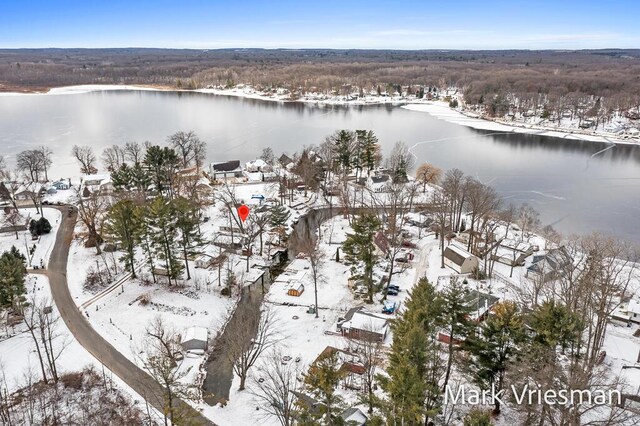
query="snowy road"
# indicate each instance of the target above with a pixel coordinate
(133, 376)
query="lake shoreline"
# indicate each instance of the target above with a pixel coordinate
(443, 112)
(437, 109)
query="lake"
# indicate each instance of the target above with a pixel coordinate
(577, 186)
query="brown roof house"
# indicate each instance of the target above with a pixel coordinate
(349, 365)
(362, 325)
(459, 259)
(381, 244)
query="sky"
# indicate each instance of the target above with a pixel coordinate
(373, 24)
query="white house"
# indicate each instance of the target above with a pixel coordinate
(258, 165)
(100, 183)
(459, 259)
(629, 312)
(204, 261)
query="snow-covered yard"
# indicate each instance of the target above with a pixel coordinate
(35, 251)
(307, 336)
(18, 358)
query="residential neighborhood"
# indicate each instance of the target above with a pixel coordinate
(233, 272)
(320, 214)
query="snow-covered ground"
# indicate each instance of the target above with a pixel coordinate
(243, 91)
(63, 196)
(123, 310)
(24, 243)
(18, 358)
(17, 354)
(442, 111)
(307, 336)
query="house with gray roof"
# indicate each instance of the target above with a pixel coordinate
(550, 266)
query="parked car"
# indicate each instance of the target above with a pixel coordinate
(392, 292)
(394, 287)
(389, 308)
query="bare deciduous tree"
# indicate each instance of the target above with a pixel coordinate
(113, 157)
(189, 147)
(440, 210)
(86, 157)
(310, 247)
(274, 388)
(161, 345)
(91, 211)
(454, 186)
(3, 168)
(45, 154)
(42, 322)
(394, 204)
(15, 220)
(31, 163)
(247, 345)
(369, 352)
(134, 152)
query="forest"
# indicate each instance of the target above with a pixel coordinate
(611, 73)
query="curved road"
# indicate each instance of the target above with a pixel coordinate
(104, 352)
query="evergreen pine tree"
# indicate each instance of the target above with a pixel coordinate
(416, 365)
(124, 223)
(186, 214)
(369, 151)
(278, 217)
(454, 320)
(12, 275)
(230, 283)
(321, 381)
(495, 347)
(164, 237)
(555, 324)
(405, 386)
(359, 248)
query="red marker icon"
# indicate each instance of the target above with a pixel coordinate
(243, 212)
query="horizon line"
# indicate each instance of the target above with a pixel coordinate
(566, 49)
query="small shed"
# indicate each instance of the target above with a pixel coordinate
(295, 288)
(195, 339)
(204, 261)
(459, 259)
